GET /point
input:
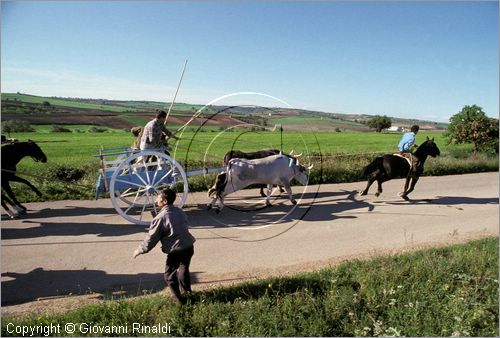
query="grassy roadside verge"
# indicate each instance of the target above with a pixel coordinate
(435, 292)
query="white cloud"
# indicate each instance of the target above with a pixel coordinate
(74, 84)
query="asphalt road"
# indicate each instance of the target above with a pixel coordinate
(67, 248)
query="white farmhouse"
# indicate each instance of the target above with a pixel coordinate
(395, 128)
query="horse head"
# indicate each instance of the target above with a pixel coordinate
(432, 148)
(35, 152)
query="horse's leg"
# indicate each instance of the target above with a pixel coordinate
(368, 185)
(381, 179)
(405, 189)
(8, 190)
(6, 208)
(22, 180)
(412, 186)
(379, 187)
(4, 205)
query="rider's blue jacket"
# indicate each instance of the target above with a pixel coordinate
(406, 142)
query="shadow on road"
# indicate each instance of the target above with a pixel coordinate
(39, 284)
(319, 206)
(70, 229)
(329, 209)
(448, 200)
(63, 212)
(68, 212)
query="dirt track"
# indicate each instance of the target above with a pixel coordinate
(83, 247)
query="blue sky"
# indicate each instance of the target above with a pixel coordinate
(421, 60)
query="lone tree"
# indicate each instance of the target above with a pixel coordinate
(471, 125)
(379, 122)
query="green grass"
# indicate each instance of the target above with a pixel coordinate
(134, 119)
(62, 102)
(450, 291)
(80, 147)
(314, 121)
(117, 106)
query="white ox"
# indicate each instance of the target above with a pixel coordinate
(271, 170)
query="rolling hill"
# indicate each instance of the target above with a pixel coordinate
(126, 114)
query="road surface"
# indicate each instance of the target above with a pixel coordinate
(67, 248)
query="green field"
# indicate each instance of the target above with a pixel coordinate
(78, 148)
(113, 106)
(316, 122)
(62, 102)
(450, 291)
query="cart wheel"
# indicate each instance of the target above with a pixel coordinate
(139, 179)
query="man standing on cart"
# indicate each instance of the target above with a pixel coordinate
(152, 134)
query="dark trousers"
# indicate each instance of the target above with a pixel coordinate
(177, 271)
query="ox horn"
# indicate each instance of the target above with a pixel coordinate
(291, 154)
(310, 167)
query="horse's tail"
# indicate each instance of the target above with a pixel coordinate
(374, 165)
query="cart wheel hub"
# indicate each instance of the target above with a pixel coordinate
(150, 190)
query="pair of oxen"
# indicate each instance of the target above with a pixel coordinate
(266, 167)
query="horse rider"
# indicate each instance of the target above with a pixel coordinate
(407, 144)
(408, 140)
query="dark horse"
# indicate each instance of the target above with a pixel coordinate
(11, 155)
(389, 166)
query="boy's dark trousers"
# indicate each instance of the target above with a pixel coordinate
(177, 270)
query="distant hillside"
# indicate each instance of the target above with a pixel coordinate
(126, 114)
(109, 113)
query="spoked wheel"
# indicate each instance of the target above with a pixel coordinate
(139, 179)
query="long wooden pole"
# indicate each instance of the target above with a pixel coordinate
(176, 91)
